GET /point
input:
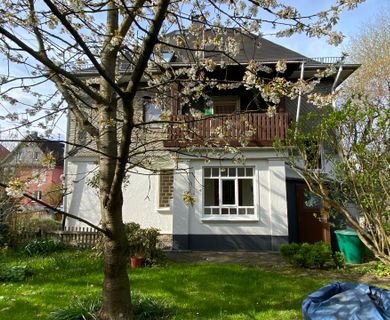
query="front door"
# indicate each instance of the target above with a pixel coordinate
(312, 221)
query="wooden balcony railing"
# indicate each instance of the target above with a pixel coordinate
(250, 129)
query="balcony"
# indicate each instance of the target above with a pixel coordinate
(249, 129)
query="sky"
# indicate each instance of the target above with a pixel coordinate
(351, 22)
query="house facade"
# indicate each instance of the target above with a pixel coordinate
(25, 163)
(201, 193)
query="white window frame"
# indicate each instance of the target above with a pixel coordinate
(152, 116)
(38, 194)
(226, 99)
(147, 115)
(247, 216)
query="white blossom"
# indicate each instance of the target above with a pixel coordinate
(271, 111)
(281, 66)
(15, 188)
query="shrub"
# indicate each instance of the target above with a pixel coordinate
(80, 309)
(303, 258)
(339, 260)
(307, 255)
(35, 225)
(375, 267)
(289, 250)
(146, 308)
(32, 228)
(321, 254)
(5, 235)
(40, 247)
(86, 308)
(143, 242)
(381, 269)
(14, 273)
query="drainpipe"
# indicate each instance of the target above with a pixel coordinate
(65, 173)
(335, 84)
(334, 100)
(300, 93)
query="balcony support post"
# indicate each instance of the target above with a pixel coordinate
(334, 86)
(300, 93)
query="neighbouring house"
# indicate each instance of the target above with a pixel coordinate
(3, 152)
(44, 183)
(257, 204)
(5, 205)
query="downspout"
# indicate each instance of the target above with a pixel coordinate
(65, 174)
(334, 100)
(336, 80)
(300, 93)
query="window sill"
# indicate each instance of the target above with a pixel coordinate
(166, 210)
(230, 219)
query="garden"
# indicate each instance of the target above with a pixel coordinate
(46, 279)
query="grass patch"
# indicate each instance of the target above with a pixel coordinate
(174, 291)
(211, 291)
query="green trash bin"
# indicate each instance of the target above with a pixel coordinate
(350, 245)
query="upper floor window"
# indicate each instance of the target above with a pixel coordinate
(38, 194)
(81, 136)
(18, 156)
(226, 104)
(313, 153)
(312, 201)
(39, 176)
(151, 112)
(222, 105)
(228, 191)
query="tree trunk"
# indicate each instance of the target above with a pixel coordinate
(116, 304)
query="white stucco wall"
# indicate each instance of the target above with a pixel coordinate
(140, 202)
(270, 199)
(81, 200)
(140, 197)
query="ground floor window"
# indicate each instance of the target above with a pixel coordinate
(228, 191)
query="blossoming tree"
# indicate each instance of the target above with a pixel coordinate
(55, 40)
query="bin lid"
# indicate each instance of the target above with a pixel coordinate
(347, 232)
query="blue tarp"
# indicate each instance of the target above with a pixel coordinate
(347, 301)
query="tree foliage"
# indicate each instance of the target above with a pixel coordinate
(370, 47)
(355, 171)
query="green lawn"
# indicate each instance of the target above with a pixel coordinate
(193, 291)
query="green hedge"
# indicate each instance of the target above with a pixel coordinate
(317, 255)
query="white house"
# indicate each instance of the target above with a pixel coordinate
(256, 204)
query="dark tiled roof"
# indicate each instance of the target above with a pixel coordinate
(56, 147)
(252, 47)
(52, 146)
(3, 152)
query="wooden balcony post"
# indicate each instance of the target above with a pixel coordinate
(175, 103)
